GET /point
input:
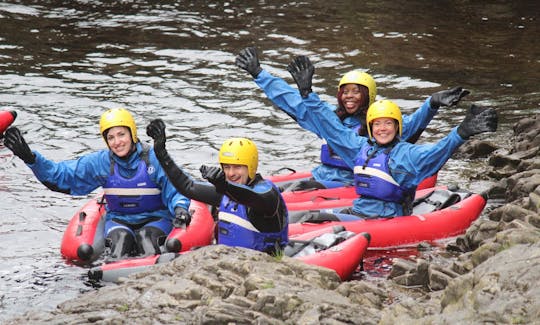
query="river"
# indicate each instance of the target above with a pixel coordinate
(63, 63)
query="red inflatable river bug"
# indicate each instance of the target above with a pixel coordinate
(6, 119)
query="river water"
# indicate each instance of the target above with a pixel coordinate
(62, 63)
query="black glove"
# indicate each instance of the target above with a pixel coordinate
(247, 59)
(302, 71)
(447, 97)
(14, 140)
(156, 130)
(216, 176)
(478, 120)
(182, 218)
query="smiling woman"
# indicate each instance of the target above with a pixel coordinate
(135, 186)
(384, 122)
(387, 171)
(119, 131)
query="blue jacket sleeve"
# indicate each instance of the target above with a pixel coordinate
(317, 117)
(77, 177)
(282, 95)
(417, 121)
(170, 196)
(411, 163)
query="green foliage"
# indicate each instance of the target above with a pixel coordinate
(123, 308)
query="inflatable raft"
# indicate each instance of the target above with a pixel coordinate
(333, 248)
(6, 119)
(83, 241)
(438, 213)
(299, 209)
(281, 180)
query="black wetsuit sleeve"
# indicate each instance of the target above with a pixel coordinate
(265, 203)
(185, 185)
(266, 209)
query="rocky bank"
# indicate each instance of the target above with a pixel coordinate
(493, 280)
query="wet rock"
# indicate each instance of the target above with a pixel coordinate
(502, 290)
(478, 232)
(363, 293)
(508, 213)
(529, 164)
(498, 191)
(220, 285)
(476, 149)
(440, 277)
(527, 133)
(523, 183)
(411, 276)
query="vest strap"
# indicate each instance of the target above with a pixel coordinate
(132, 191)
(234, 219)
(375, 172)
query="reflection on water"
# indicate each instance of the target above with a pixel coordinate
(62, 63)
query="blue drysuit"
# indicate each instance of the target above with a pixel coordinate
(409, 163)
(84, 175)
(288, 99)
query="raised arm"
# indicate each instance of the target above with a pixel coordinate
(281, 94)
(416, 123)
(75, 177)
(183, 182)
(424, 160)
(263, 198)
(316, 117)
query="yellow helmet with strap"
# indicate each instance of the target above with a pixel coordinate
(360, 78)
(383, 108)
(240, 151)
(118, 117)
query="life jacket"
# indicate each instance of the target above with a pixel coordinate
(235, 229)
(133, 195)
(372, 178)
(329, 158)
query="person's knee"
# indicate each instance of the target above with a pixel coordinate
(121, 242)
(149, 240)
(310, 184)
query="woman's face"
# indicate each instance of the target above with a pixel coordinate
(384, 130)
(351, 98)
(119, 141)
(236, 173)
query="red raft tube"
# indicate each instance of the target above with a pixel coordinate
(6, 119)
(344, 258)
(439, 213)
(83, 240)
(330, 204)
(327, 193)
(334, 248)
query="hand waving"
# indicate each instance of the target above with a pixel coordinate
(215, 176)
(247, 59)
(448, 97)
(14, 140)
(302, 71)
(478, 120)
(156, 130)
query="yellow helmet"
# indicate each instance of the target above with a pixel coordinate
(240, 151)
(384, 108)
(360, 78)
(118, 117)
